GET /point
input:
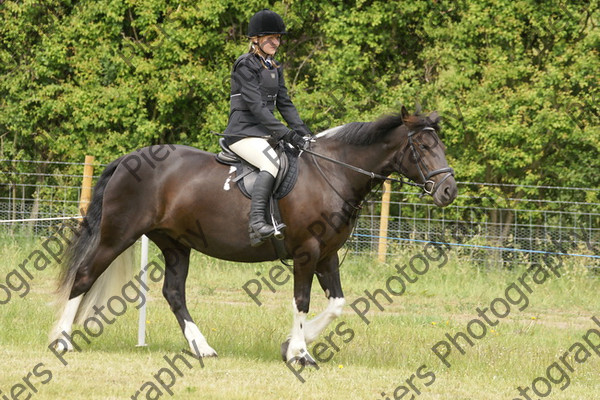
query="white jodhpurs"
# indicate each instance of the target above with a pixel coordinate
(258, 152)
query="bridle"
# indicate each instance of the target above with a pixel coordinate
(422, 168)
(429, 187)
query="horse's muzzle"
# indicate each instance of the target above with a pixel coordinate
(445, 190)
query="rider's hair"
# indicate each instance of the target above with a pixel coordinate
(255, 49)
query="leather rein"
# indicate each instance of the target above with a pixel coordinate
(426, 177)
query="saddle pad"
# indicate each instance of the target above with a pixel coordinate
(245, 175)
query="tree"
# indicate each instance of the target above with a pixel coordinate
(517, 81)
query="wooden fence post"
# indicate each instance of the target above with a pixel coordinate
(86, 185)
(383, 220)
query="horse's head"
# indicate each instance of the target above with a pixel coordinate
(402, 143)
(423, 158)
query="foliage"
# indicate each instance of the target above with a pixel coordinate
(517, 81)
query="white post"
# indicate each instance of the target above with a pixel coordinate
(144, 277)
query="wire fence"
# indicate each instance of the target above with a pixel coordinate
(489, 224)
(35, 194)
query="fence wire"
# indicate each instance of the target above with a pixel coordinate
(489, 224)
(40, 191)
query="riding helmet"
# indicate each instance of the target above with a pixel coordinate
(266, 22)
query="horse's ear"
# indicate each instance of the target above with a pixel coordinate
(404, 113)
(417, 108)
(435, 117)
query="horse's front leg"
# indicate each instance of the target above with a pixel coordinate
(294, 350)
(177, 261)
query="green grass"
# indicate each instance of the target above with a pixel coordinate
(380, 357)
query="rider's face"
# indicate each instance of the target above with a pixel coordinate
(269, 44)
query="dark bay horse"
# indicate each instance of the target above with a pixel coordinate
(170, 194)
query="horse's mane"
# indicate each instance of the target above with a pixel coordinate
(367, 133)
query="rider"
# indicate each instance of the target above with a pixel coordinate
(257, 87)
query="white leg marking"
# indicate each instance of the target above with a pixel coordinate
(315, 326)
(297, 347)
(197, 340)
(65, 324)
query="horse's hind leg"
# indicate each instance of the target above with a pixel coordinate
(328, 274)
(177, 258)
(327, 271)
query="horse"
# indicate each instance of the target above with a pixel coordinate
(172, 192)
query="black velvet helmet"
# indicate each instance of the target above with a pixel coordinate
(266, 22)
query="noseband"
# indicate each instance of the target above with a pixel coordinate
(429, 186)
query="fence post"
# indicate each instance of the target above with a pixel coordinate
(383, 220)
(86, 185)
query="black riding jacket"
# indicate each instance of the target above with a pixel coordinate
(255, 92)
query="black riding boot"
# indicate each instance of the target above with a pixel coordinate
(260, 229)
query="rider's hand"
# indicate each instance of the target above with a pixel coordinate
(296, 140)
(304, 131)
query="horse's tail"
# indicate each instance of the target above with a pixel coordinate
(111, 283)
(82, 247)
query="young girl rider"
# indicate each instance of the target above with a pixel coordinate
(257, 88)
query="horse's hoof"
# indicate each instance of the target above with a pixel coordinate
(202, 350)
(305, 359)
(61, 348)
(208, 353)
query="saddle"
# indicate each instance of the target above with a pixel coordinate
(246, 173)
(245, 176)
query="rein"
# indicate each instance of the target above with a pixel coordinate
(358, 207)
(373, 175)
(423, 186)
(428, 187)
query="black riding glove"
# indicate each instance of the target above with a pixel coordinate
(295, 139)
(304, 131)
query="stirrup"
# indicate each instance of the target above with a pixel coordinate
(278, 234)
(278, 227)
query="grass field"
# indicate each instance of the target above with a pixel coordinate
(391, 357)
